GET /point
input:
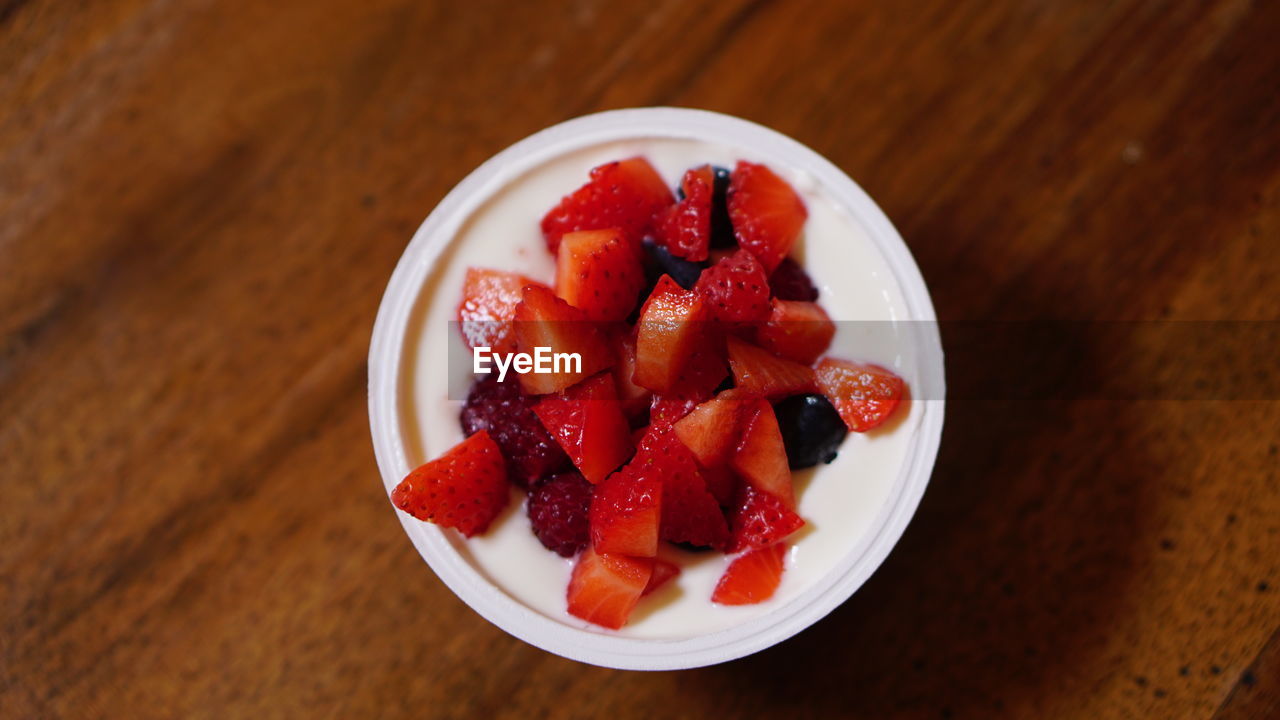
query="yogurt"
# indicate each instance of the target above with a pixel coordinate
(839, 501)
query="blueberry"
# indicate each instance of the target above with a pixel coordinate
(811, 430)
(684, 272)
(721, 228)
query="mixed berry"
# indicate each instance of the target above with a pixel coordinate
(702, 385)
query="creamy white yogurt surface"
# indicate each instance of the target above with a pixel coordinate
(838, 501)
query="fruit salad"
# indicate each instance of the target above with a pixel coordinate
(703, 381)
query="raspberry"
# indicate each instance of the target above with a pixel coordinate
(558, 510)
(791, 282)
(506, 412)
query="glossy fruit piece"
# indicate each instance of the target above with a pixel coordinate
(752, 578)
(736, 289)
(690, 513)
(722, 482)
(684, 228)
(667, 410)
(633, 398)
(489, 299)
(672, 326)
(759, 519)
(710, 430)
(605, 588)
(812, 430)
(789, 281)
(543, 320)
(663, 572)
(767, 213)
(557, 509)
(588, 422)
(624, 194)
(600, 272)
(506, 412)
(761, 372)
(761, 457)
(864, 395)
(799, 331)
(464, 489)
(625, 513)
(660, 262)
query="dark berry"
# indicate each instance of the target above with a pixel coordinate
(558, 509)
(721, 227)
(506, 412)
(790, 282)
(684, 272)
(811, 430)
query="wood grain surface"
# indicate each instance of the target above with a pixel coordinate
(201, 202)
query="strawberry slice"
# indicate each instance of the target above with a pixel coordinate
(690, 514)
(710, 430)
(464, 489)
(663, 572)
(763, 373)
(799, 331)
(751, 578)
(722, 483)
(624, 194)
(587, 421)
(634, 398)
(766, 212)
(736, 289)
(605, 587)
(600, 272)
(625, 511)
(759, 519)
(666, 410)
(489, 299)
(543, 320)
(671, 331)
(761, 455)
(684, 229)
(864, 395)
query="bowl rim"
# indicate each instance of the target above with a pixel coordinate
(386, 355)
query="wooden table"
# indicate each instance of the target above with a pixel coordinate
(201, 202)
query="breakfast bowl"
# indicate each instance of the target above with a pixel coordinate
(856, 505)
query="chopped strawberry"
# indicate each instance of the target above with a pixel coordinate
(587, 421)
(751, 578)
(663, 572)
(489, 299)
(789, 281)
(671, 331)
(465, 488)
(710, 430)
(759, 519)
(605, 587)
(864, 395)
(799, 331)
(666, 410)
(767, 213)
(625, 511)
(722, 483)
(600, 272)
(761, 456)
(759, 371)
(543, 320)
(736, 289)
(623, 194)
(690, 514)
(684, 229)
(634, 398)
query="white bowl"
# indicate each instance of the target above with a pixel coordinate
(390, 426)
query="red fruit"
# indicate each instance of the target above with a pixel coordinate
(671, 331)
(710, 430)
(684, 229)
(690, 514)
(722, 483)
(605, 588)
(465, 488)
(625, 511)
(799, 331)
(624, 194)
(761, 456)
(736, 289)
(864, 395)
(506, 412)
(663, 572)
(760, 372)
(489, 299)
(790, 282)
(587, 421)
(759, 520)
(600, 272)
(666, 410)
(558, 510)
(767, 214)
(544, 320)
(634, 398)
(751, 578)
